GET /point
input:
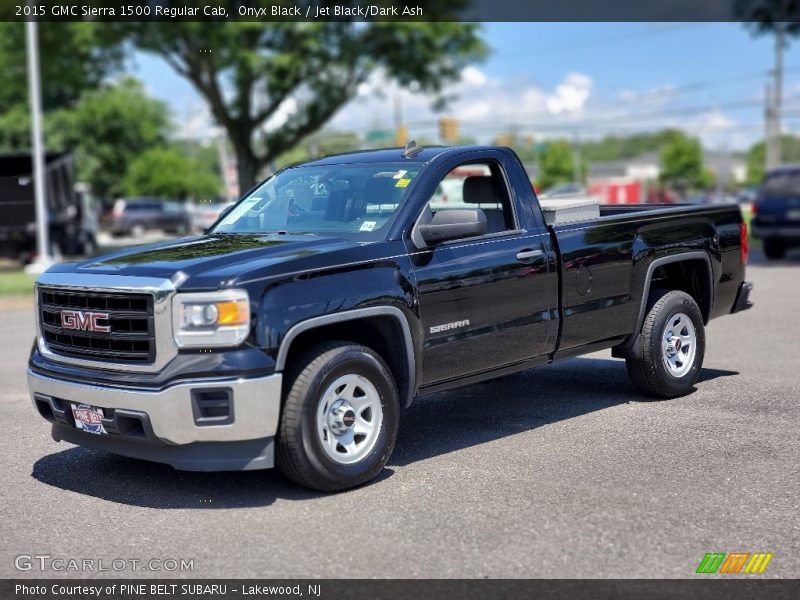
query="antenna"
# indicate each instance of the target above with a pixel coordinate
(411, 149)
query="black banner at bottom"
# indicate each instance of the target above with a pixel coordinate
(400, 589)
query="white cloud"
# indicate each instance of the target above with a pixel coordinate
(473, 76)
(571, 95)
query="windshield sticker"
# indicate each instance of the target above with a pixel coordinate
(399, 174)
(240, 210)
(367, 226)
(401, 183)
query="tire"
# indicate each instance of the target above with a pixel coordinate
(340, 418)
(669, 367)
(774, 249)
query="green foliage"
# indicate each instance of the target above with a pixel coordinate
(107, 129)
(556, 165)
(682, 164)
(73, 57)
(319, 65)
(756, 157)
(166, 173)
(613, 147)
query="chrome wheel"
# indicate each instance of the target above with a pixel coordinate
(349, 418)
(679, 344)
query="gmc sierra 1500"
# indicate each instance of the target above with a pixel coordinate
(334, 293)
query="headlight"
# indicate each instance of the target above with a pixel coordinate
(210, 319)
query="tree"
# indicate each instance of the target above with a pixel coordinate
(272, 85)
(769, 16)
(612, 147)
(682, 164)
(165, 172)
(790, 148)
(107, 129)
(556, 165)
(74, 57)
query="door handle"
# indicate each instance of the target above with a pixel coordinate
(529, 255)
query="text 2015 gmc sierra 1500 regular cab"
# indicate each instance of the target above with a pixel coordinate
(330, 296)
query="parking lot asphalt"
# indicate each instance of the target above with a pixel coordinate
(561, 471)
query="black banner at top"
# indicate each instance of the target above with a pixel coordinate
(276, 11)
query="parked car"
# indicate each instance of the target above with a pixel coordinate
(135, 216)
(776, 211)
(205, 215)
(334, 294)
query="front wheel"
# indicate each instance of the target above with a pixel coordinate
(671, 346)
(340, 418)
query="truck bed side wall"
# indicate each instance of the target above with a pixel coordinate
(605, 266)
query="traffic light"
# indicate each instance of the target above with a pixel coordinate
(401, 135)
(448, 129)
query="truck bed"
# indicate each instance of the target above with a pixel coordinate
(604, 262)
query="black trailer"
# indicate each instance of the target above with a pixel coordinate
(72, 223)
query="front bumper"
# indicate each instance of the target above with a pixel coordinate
(206, 425)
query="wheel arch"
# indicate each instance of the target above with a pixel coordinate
(384, 329)
(690, 272)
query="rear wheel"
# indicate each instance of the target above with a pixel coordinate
(671, 346)
(340, 418)
(774, 249)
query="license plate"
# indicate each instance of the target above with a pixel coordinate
(793, 215)
(88, 418)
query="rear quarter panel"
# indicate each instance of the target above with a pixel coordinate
(604, 266)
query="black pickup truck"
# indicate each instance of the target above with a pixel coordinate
(329, 297)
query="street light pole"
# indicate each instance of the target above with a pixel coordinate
(43, 259)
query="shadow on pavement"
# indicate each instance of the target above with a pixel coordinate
(434, 425)
(153, 485)
(466, 417)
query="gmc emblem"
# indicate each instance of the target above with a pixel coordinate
(84, 321)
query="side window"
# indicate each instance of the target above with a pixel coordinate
(476, 185)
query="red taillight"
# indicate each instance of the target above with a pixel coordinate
(743, 242)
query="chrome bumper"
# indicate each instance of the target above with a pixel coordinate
(173, 414)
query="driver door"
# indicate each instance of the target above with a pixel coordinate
(484, 301)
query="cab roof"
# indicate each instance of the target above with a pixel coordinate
(393, 155)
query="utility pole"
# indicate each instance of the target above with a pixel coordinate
(775, 98)
(576, 156)
(43, 260)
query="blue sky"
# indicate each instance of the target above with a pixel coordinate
(589, 79)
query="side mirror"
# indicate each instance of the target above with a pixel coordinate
(449, 225)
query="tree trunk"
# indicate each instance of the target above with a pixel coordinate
(247, 166)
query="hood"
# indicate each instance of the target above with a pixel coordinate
(211, 260)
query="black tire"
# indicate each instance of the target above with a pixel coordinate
(299, 453)
(649, 373)
(774, 249)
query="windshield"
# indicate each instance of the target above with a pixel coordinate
(356, 201)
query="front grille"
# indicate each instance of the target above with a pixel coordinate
(131, 338)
